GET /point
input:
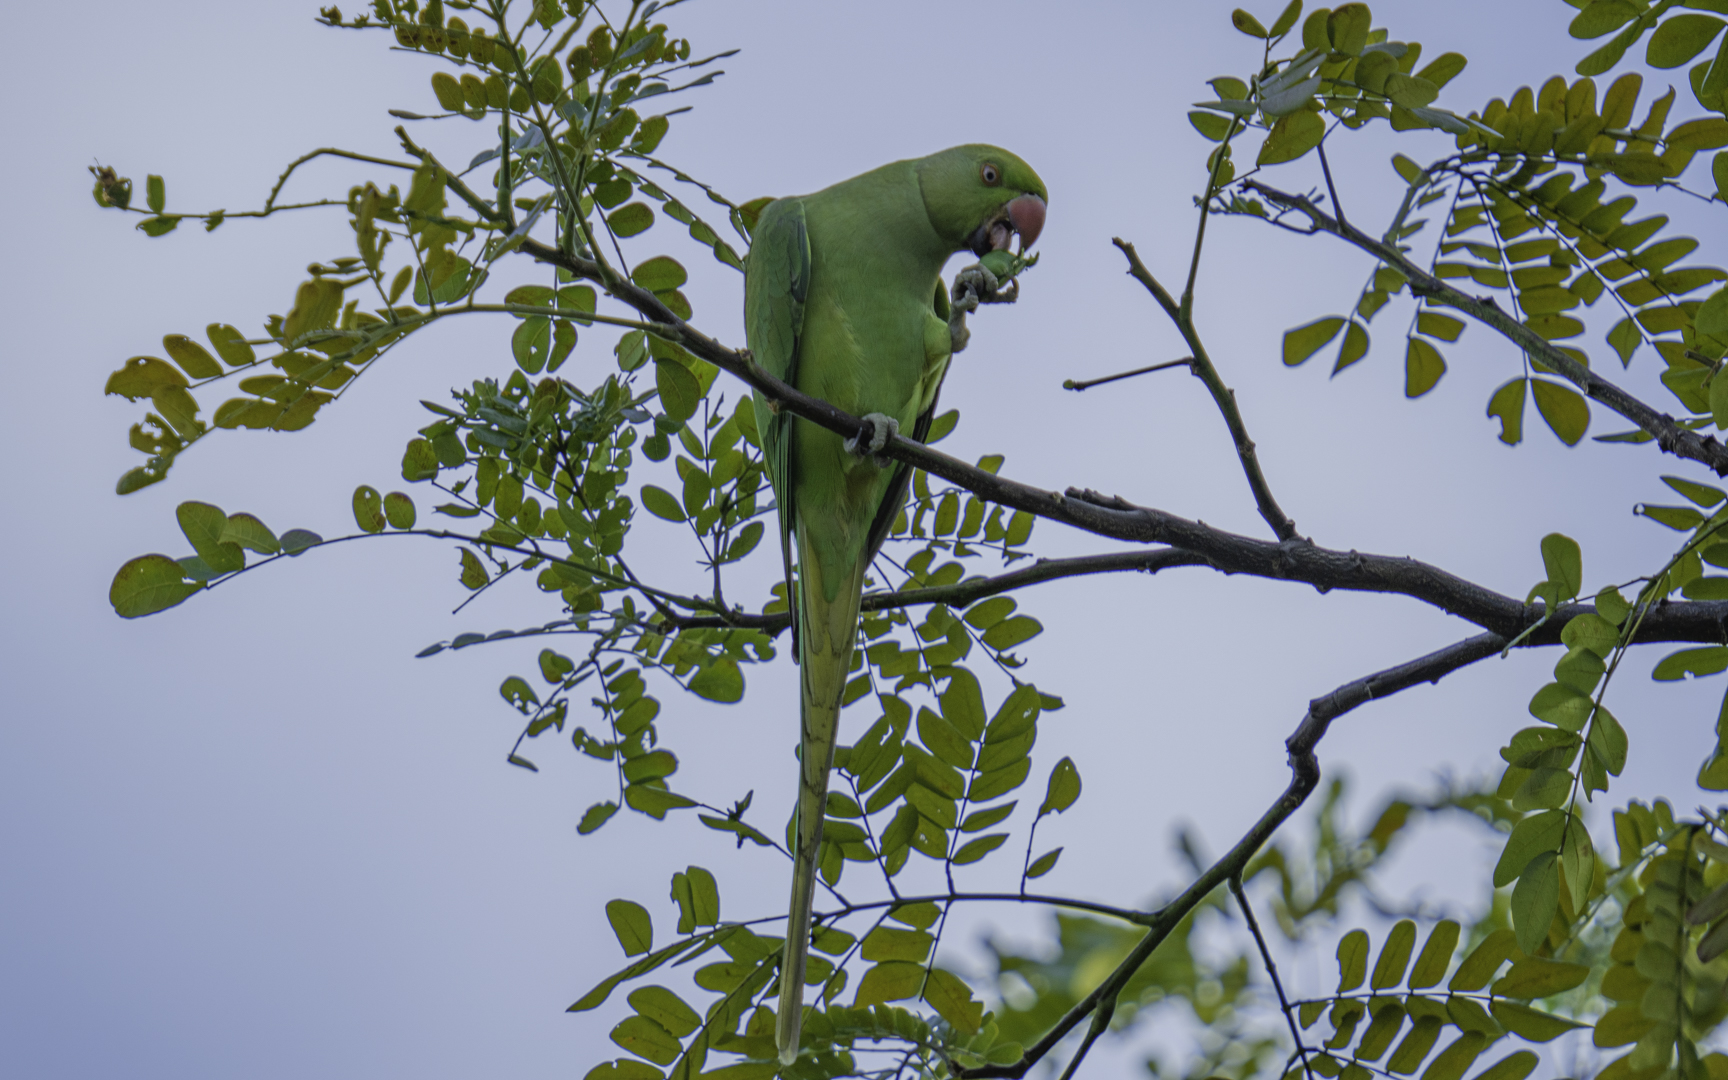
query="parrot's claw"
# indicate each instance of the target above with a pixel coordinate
(973, 286)
(878, 429)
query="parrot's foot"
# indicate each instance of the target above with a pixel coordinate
(878, 429)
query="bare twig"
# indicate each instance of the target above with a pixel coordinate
(1271, 971)
(1222, 396)
(1087, 384)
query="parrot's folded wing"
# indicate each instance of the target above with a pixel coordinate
(776, 283)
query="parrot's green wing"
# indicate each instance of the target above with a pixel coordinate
(776, 284)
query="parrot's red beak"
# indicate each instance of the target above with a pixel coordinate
(1026, 213)
(1023, 214)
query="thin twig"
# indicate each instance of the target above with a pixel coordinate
(1224, 397)
(1087, 384)
(1271, 971)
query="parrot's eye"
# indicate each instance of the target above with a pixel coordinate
(990, 174)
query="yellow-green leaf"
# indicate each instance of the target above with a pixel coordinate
(148, 584)
(1291, 137)
(1565, 410)
(631, 924)
(1423, 366)
(1306, 340)
(953, 1001)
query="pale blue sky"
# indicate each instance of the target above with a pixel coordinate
(254, 837)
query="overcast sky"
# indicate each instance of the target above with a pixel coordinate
(254, 837)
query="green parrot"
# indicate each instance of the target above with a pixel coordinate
(844, 299)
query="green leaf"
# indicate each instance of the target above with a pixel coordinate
(660, 274)
(631, 219)
(1592, 632)
(979, 820)
(645, 1038)
(1242, 21)
(1699, 662)
(1410, 91)
(191, 356)
(248, 532)
(596, 816)
(1394, 956)
(1423, 366)
(1702, 494)
(662, 503)
(1534, 834)
(155, 193)
(148, 584)
(666, 1009)
(1415, 1046)
(1563, 408)
(1282, 26)
(1535, 901)
(1532, 1024)
(973, 850)
(1436, 955)
(1712, 315)
(1291, 137)
(1011, 632)
(1451, 1062)
(1564, 564)
(1044, 863)
(419, 461)
(1434, 324)
(921, 915)
(1680, 38)
(952, 999)
(1017, 715)
(630, 922)
(1511, 1067)
(532, 343)
(1484, 960)
(1352, 960)
(720, 681)
(368, 509)
(399, 510)
(1508, 405)
(204, 525)
(142, 377)
(1680, 518)
(1538, 977)
(892, 981)
(1353, 348)
(680, 391)
(474, 574)
(1063, 789)
(294, 541)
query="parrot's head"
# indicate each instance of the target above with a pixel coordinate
(979, 196)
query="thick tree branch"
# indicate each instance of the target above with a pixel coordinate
(1294, 559)
(1100, 1004)
(1224, 397)
(1668, 433)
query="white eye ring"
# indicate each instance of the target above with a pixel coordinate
(990, 175)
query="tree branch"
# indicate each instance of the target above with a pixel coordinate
(963, 593)
(1305, 774)
(1669, 434)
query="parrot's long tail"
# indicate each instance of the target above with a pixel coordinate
(826, 633)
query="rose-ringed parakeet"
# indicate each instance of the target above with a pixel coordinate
(843, 299)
